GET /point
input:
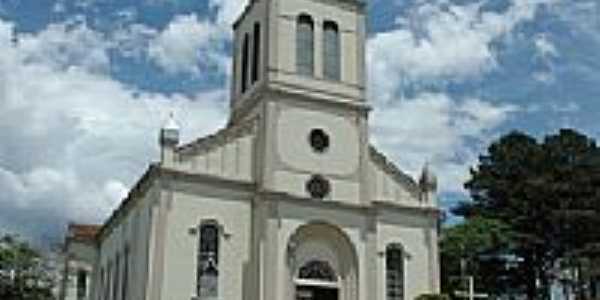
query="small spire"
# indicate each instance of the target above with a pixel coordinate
(428, 180)
(169, 133)
(171, 123)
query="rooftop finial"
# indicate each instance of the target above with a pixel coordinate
(428, 180)
(169, 133)
(171, 123)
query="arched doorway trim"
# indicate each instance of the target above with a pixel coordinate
(322, 256)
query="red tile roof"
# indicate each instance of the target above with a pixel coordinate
(83, 232)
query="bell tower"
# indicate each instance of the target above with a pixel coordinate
(299, 67)
(314, 47)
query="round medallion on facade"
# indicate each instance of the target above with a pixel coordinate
(318, 187)
(319, 140)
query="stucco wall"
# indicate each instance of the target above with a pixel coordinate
(416, 234)
(190, 205)
(230, 158)
(134, 230)
(292, 159)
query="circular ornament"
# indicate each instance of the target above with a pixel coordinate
(318, 187)
(319, 140)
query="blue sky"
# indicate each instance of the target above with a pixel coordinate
(86, 84)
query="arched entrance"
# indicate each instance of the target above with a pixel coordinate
(322, 264)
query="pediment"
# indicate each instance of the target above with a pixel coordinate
(388, 182)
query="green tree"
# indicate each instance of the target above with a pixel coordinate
(478, 247)
(546, 193)
(23, 275)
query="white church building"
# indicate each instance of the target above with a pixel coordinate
(289, 201)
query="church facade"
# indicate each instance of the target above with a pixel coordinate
(289, 200)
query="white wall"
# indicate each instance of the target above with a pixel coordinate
(133, 230)
(292, 160)
(416, 233)
(190, 205)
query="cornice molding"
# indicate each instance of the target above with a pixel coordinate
(380, 160)
(387, 205)
(218, 139)
(156, 172)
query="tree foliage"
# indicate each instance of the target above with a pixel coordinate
(547, 193)
(478, 247)
(23, 275)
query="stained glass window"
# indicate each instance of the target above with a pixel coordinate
(318, 187)
(394, 260)
(319, 140)
(208, 261)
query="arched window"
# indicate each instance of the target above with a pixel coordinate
(256, 53)
(317, 270)
(394, 269)
(245, 54)
(305, 45)
(331, 51)
(208, 260)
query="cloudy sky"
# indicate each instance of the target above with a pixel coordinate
(86, 84)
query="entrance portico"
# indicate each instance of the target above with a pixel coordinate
(322, 264)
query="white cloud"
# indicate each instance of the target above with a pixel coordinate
(65, 45)
(185, 43)
(440, 42)
(73, 138)
(436, 43)
(438, 129)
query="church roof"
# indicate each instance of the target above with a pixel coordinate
(85, 233)
(219, 138)
(389, 167)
